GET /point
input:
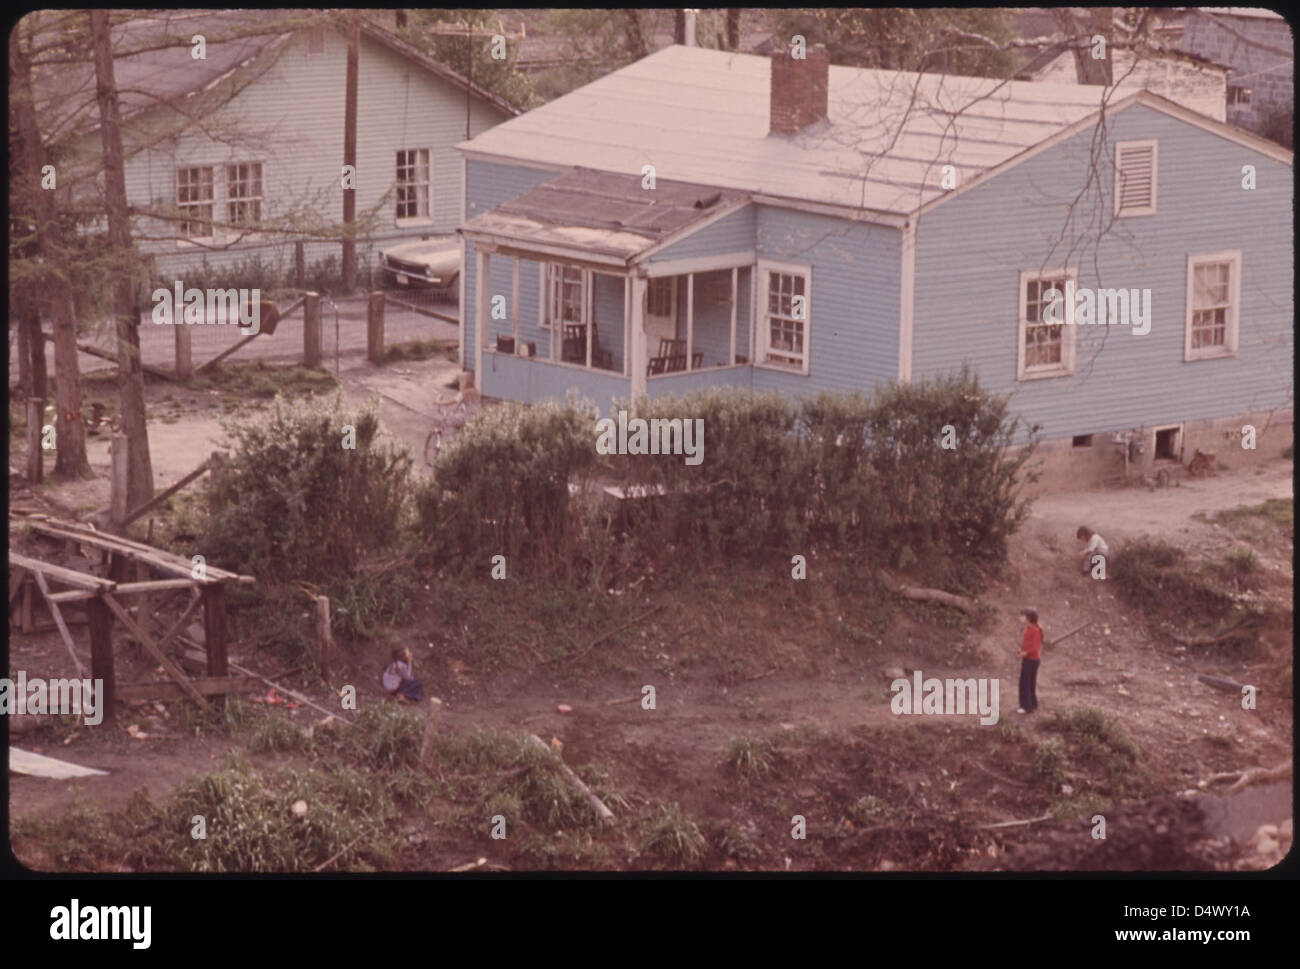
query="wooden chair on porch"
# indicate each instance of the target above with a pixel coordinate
(574, 348)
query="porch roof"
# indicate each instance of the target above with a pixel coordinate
(603, 215)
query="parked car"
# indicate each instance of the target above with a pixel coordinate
(425, 263)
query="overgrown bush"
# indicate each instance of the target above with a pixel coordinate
(299, 509)
(924, 474)
(501, 486)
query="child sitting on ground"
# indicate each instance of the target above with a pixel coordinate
(398, 680)
(1096, 546)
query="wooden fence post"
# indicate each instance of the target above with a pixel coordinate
(101, 652)
(184, 350)
(324, 635)
(311, 330)
(375, 327)
(214, 629)
(35, 453)
(117, 506)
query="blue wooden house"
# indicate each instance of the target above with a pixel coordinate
(702, 218)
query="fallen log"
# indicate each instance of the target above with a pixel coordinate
(602, 811)
(1252, 775)
(919, 594)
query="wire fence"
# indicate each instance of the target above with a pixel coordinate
(343, 325)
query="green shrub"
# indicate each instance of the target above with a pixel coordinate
(501, 486)
(297, 508)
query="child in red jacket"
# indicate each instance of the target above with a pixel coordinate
(1031, 653)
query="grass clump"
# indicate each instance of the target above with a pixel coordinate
(749, 758)
(672, 836)
(250, 824)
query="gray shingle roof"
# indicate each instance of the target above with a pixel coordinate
(702, 116)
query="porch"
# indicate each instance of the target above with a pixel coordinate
(574, 287)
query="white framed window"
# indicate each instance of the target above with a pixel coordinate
(1135, 178)
(568, 295)
(1046, 331)
(1239, 97)
(244, 194)
(659, 294)
(1213, 305)
(785, 315)
(413, 186)
(195, 199)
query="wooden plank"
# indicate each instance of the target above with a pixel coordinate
(147, 642)
(60, 574)
(120, 545)
(225, 353)
(58, 621)
(101, 653)
(207, 685)
(38, 765)
(179, 624)
(155, 585)
(214, 629)
(95, 351)
(164, 495)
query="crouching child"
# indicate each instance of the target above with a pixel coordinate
(398, 679)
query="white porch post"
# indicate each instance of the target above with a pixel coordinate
(735, 289)
(690, 320)
(588, 307)
(482, 282)
(639, 359)
(627, 326)
(514, 304)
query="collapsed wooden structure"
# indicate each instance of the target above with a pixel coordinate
(102, 598)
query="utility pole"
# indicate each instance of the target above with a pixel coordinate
(350, 154)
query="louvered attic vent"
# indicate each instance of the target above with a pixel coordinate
(1135, 178)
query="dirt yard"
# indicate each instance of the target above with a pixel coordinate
(800, 675)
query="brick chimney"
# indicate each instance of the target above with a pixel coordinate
(799, 89)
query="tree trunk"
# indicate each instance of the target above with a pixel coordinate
(130, 376)
(350, 156)
(733, 28)
(70, 461)
(679, 26)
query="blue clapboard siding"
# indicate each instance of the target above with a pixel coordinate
(533, 381)
(731, 233)
(487, 185)
(291, 120)
(685, 383)
(853, 324)
(971, 249)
